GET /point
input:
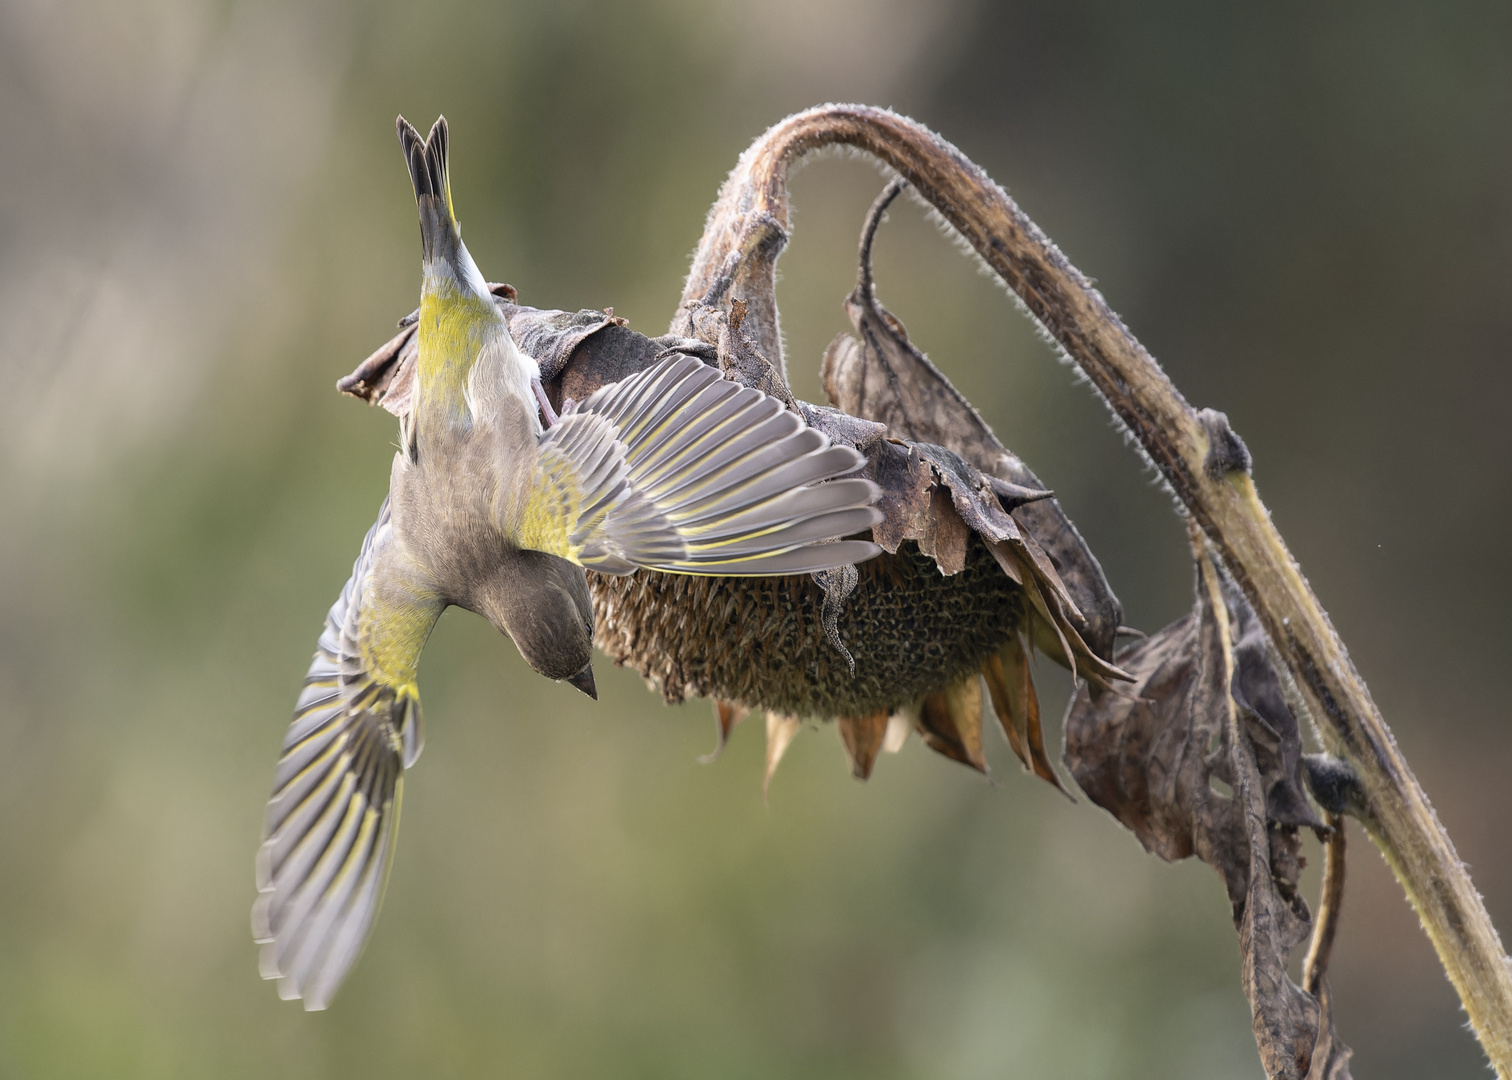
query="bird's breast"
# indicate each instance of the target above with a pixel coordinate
(456, 508)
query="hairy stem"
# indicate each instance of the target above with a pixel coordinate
(1204, 463)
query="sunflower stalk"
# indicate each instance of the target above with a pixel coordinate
(1202, 460)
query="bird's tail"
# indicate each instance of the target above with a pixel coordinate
(439, 235)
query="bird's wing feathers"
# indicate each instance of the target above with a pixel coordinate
(680, 470)
(334, 813)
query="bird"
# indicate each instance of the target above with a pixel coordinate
(497, 504)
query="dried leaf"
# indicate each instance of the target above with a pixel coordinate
(863, 737)
(780, 732)
(945, 543)
(1149, 758)
(1012, 716)
(951, 722)
(1151, 761)
(373, 377)
(908, 509)
(917, 507)
(1024, 701)
(1051, 626)
(965, 699)
(726, 715)
(553, 336)
(1269, 722)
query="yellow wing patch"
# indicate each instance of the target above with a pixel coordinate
(333, 815)
(551, 509)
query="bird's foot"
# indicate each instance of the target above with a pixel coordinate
(547, 412)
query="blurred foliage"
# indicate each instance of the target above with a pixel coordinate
(1303, 211)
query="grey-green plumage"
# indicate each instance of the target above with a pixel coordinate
(331, 821)
(674, 469)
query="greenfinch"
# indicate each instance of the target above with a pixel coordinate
(497, 505)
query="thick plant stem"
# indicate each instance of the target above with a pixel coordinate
(1204, 463)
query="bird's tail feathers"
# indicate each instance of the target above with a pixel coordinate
(428, 173)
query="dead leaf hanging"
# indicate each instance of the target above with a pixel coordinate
(1156, 761)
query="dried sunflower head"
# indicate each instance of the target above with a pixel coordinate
(980, 564)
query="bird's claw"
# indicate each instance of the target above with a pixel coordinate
(547, 412)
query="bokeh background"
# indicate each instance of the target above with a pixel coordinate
(1304, 210)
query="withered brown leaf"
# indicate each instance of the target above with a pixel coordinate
(781, 730)
(863, 737)
(726, 715)
(950, 722)
(1155, 760)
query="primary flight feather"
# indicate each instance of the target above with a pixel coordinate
(675, 469)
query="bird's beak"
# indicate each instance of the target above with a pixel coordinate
(583, 680)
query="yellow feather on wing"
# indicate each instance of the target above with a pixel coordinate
(333, 816)
(552, 506)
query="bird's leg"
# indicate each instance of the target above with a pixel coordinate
(546, 410)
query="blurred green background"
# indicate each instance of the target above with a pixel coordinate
(1304, 210)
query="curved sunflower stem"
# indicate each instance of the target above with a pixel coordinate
(1202, 460)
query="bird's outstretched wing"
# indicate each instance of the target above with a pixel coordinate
(680, 470)
(334, 814)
